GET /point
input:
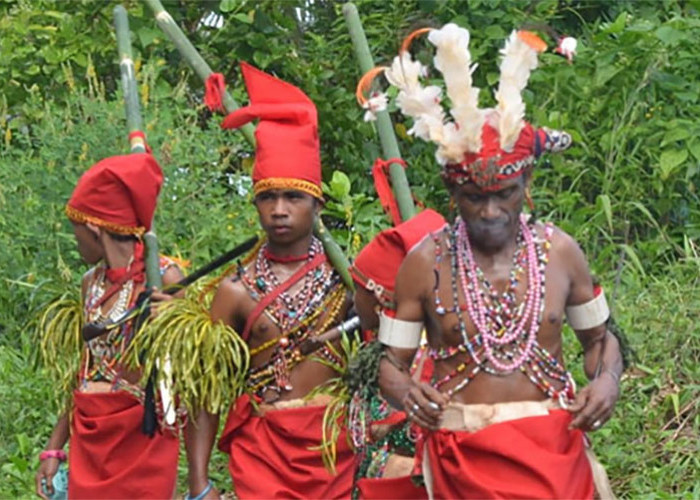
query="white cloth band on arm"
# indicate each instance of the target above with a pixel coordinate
(589, 315)
(399, 333)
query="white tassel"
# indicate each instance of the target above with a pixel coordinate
(519, 59)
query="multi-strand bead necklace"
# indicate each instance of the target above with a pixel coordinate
(309, 311)
(506, 329)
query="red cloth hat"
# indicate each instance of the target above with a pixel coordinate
(492, 164)
(118, 193)
(287, 146)
(376, 266)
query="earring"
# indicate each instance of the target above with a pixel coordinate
(528, 199)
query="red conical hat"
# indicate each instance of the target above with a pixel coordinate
(287, 146)
(376, 266)
(118, 193)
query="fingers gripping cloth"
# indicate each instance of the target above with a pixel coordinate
(593, 313)
(398, 333)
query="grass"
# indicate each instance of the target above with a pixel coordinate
(650, 446)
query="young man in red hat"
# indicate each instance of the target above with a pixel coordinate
(501, 417)
(385, 446)
(109, 457)
(287, 294)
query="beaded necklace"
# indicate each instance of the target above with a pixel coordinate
(287, 309)
(506, 331)
(297, 316)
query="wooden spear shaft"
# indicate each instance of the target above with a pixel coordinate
(390, 147)
(335, 254)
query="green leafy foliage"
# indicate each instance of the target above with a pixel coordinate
(627, 190)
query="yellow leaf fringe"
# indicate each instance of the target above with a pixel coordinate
(334, 418)
(208, 361)
(60, 344)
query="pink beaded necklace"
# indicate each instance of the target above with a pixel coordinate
(515, 322)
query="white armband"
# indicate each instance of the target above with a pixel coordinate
(589, 315)
(398, 333)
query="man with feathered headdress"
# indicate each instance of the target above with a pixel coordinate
(501, 417)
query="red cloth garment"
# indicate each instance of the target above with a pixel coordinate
(394, 487)
(531, 457)
(287, 149)
(214, 90)
(376, 266)
(109, 457)
(118, 193)
(380, 171)
(272, 456)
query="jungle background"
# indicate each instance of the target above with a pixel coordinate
(627, 190)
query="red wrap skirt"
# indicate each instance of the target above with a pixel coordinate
(276, 455)
(531, 457)
(394, 487)
(109, 456)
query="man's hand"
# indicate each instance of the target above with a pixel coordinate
(44, 476)
(594, 404)
(157, 298)
(424, 405)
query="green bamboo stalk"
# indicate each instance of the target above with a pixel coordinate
(190, 54)
(335, 254)
(129, 87)
(390, 147)
(134, 124)
(138, 145)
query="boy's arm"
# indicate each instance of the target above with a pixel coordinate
(200, 432)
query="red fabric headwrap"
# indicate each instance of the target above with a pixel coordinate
(287, 146)
(380, 259)
(118, 193)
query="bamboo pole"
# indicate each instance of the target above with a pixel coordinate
(190, 54)
(138, 145)
(335, 254)
(385, 129)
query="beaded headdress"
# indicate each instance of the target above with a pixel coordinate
(484, 146)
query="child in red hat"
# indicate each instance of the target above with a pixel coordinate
(109, 457)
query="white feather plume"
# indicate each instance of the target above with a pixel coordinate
(420, 103)
(453, 60)
(519, 59)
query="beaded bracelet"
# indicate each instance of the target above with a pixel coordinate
(202, 494)
(60, 454)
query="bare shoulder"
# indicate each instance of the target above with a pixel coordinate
(85, 281)
(565, 247)
(230, 295)
(422, 255)
(568, 256)
(411, 282)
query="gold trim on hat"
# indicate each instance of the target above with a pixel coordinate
(82, 218)
(287, 183)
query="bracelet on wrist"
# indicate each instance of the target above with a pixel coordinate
(204, 492)
(59, 454)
